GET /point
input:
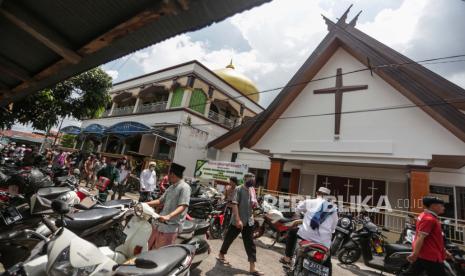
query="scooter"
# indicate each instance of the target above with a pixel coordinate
(139, 231)
(309, 259)
(68, 254)
(393, 259)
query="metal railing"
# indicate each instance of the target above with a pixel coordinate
(122, 110)
(106, 113)
(151, 107)
(393, 219)
(221, 119)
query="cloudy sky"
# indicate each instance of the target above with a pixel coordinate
(269, 43)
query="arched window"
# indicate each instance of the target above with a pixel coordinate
(198, 101)
(176, 100)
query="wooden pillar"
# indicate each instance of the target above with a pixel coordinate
(294, 183)
(274, 176)
(418, 186)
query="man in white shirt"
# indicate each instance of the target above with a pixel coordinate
(319, 223)
(148, 182)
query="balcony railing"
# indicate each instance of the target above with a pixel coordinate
(221, 119)
(122, 110)
(152, 107)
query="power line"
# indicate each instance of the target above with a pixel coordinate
(426, 61)
(393, 65)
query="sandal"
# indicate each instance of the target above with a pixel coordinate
(257, 273)
(222, 261)
(284, 261)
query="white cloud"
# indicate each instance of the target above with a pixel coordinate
(283, 33)
(113, 74)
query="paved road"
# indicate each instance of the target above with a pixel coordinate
(267, 261)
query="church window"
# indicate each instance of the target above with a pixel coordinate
(176, 100)
(198, 101)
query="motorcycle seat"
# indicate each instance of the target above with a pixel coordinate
(305, 243)
(86, 219)
(201, 228)
(195, 200)
(394, 248)
(164, 261)
(118, 202)
(187, 227)
(52, 191)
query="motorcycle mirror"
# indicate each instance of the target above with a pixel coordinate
(60, 207)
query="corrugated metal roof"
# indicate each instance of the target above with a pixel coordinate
(75, 24)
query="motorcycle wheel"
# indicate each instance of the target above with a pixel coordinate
(216, 231)
(349, 255)
(336, 245)
(258, 230)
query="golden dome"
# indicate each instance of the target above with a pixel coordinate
(239, 81)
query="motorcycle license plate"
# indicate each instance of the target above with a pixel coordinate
(10, 215)
(316, 268)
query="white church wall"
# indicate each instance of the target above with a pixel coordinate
(447, 177)
(190, 147)
(406, 135)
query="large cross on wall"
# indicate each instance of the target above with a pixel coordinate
(338, 91)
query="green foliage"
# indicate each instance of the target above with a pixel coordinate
(81, 96)
(67, 140)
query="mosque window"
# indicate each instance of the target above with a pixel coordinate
(176, 100)
(198, 101)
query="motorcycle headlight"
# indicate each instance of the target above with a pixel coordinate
(62, 266)
(345, 222)
(65, 197)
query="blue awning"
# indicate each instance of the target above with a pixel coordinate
(73, 130)
(95, 129)
(127, 128)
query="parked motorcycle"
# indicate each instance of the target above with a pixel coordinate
(309, 259)
(408, 233)
(219, 221)
(68, 254)
(274, 222)
(352, 250)
(345, 226)
(392, 258)
(139, 230)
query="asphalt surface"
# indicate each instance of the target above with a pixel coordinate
(267, 261)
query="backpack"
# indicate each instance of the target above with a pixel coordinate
(320, 216)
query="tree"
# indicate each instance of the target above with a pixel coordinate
(81, 96)
(68, 140)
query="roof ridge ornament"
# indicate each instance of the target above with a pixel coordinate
(342, 20)
(353, 22)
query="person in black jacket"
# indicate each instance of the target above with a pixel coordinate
(112, 173)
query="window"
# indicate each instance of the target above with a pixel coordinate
(198, 101)
(176, 100)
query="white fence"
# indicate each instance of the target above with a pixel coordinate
(393, 220)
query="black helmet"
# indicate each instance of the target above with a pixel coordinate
(429, 200)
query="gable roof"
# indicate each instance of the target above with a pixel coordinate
(435, 95)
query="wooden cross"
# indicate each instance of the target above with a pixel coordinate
(326, 183)
(338, 90)
(348, 187)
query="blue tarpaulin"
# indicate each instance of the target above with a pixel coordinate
(95, 129)
(74, 130)
(127, 128)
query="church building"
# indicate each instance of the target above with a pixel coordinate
(361, 119)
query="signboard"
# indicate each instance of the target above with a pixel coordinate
(219, 170)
